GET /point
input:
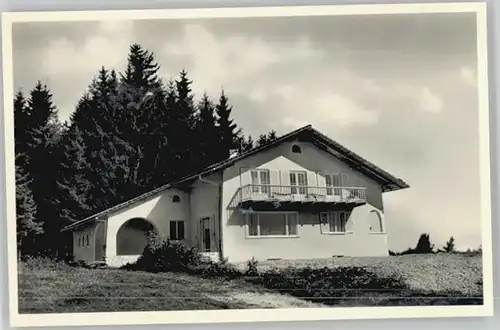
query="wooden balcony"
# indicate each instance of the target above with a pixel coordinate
(291, 197)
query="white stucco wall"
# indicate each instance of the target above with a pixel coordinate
(205, 202)
(84, 253)
(158, 210)
(311, 243)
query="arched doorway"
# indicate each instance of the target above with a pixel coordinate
(133, 235)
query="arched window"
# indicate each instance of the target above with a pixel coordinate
(133, 235)
(296, 149)
(376, 222)
(88, 239)
(176, 199)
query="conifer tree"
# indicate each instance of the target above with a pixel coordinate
(42, 151)
(450, 245)
(181, 138)
(206, 132)
(28, 228)
(73, 179)
(246, 144)
(266, 138)
(142, 101)
(142, 68)
(21, 121)
(229, 134)
(424, 245)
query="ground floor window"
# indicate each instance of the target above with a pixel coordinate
(335, 221)
(176, 230)
(272, 224)
(84, 240)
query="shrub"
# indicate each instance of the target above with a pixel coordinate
(327, 285)
(165, 256)
(219, 270)
(424, 244)
(252, 269)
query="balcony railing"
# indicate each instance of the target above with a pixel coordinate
(312, 194)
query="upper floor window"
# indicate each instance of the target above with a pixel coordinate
(296, 149)
(298, 182)
(176, 199)
(335, 182)
(261, 179)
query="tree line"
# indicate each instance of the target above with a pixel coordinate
(425, 246)
(129, 133)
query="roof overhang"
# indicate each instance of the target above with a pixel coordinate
(387, 181)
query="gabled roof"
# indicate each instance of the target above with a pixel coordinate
(306, 134)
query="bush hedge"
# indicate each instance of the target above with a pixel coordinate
(322, 285)
(328, 285)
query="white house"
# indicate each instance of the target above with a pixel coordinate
(301, 196)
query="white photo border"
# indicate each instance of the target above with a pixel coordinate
(251, 315)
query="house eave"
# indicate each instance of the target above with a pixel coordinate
(306, 133)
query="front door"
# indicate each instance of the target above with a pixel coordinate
(206, 234)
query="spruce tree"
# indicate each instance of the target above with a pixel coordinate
(73, 179)
(450, 245)
(21, 128)
(262, 140)
(266, 138)
(42, 151)
(142, 101)
(142, 68)
(28, 228)
(228, 132)
(246, 144)
(182, 142)
(206, 132)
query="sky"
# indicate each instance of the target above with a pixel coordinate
(399, 90)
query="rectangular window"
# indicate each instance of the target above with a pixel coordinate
(334, 183)
(335, 221)
(261, 180)
(176, 230)
(298, 182)
(272, 224)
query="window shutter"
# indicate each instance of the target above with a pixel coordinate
(311, 182)
(180, 229)
(285, 181)
(323, 222)
(245, 178)
(275, 181)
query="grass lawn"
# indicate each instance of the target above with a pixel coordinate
(431, 280)
(64, 289)
(429, 273)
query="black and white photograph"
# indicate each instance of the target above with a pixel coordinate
(292, 163)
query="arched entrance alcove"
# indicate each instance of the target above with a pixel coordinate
(132, 237)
